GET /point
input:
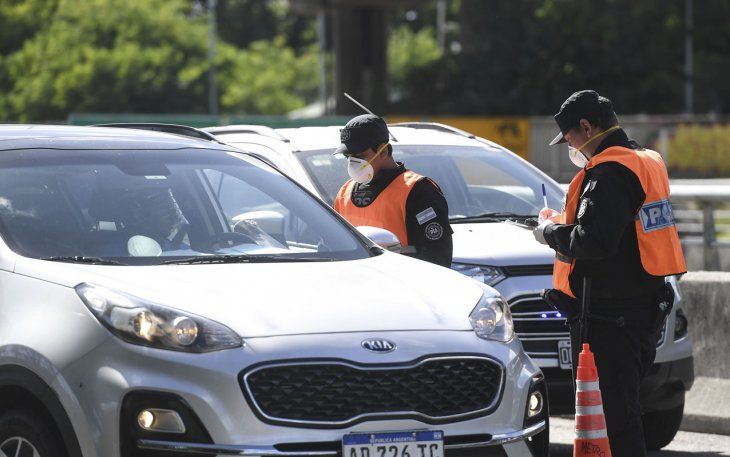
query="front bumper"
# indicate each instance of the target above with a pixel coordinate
(270, 451)
(209, 385)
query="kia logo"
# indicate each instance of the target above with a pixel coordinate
(378, 345)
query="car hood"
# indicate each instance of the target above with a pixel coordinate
(383, 293)
(498, 244)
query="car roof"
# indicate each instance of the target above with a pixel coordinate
(311, 138)
(29, 136)
(328, 137)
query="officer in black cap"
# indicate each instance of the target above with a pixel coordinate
(383, 193)
(602, 241)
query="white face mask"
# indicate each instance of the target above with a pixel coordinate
(360, 170)
(577, 157)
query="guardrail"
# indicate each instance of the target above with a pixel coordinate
(697, 209)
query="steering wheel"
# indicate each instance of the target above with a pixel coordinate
(229, 239)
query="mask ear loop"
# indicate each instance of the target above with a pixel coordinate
(597, 136)
(380, 149)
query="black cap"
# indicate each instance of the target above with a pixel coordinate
(361, 133)
(584, 104)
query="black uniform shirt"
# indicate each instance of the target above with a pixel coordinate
(604, 241)
(427, 214)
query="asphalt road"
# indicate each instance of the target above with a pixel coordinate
(685, 444)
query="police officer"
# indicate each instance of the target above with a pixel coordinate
(617, 229)
(383, 193)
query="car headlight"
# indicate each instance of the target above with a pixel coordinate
(491, 319)
(482, 273)
(141, 322)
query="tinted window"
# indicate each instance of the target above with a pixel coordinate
(475, 180)
(142, 205)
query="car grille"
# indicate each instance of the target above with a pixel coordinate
(538, 326)
(339, 393)
(528, 270)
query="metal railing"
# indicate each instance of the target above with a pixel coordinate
(697, 209)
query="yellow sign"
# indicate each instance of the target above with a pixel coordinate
(511, 132)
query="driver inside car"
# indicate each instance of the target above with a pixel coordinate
(153, 224)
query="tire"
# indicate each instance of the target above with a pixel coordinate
(30, 431)
(660, 427)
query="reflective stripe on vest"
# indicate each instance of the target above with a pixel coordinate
(387, 211)
(659, 246)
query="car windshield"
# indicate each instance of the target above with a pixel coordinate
(153, 207)
(477, 181)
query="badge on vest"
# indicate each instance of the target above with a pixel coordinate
(656, 215)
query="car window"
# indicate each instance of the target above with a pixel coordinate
(143, 205)
(474, 180)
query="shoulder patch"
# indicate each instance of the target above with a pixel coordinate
(426, 215)
(656, 215)
(434, 231)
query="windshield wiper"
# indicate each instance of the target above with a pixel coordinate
(242, 258)
(82, 259)
(497, 216)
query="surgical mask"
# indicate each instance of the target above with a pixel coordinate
(576, 155)
(360, 170)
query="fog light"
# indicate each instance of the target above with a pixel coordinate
(680, 325)
(535, 406)
(160, 420)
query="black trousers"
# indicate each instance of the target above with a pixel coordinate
(623, 354)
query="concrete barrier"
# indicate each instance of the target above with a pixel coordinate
(706, 302)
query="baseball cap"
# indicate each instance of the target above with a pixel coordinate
(584, 104)
(362, 132)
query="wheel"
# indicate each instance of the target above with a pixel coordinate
(660, 427)
(24, 433)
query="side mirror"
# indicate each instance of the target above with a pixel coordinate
(383, 238)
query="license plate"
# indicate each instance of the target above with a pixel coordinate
(427, 443)
(564, 354)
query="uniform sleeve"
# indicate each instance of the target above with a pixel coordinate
(427, 223)
(607, 207)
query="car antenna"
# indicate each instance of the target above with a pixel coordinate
(352, 99)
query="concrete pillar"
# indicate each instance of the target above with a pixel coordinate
(360, 45)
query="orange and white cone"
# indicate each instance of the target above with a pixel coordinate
(591, 439)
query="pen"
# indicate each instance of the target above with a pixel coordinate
(544, 195)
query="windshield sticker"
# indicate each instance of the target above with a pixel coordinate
(656, 215)
(426, 215)
(155, 177)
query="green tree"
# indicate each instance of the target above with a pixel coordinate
(409, 52)
(268, 77)
(146, 56)
(526, 56)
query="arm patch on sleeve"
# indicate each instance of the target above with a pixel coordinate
(434, 231)
(426, 215)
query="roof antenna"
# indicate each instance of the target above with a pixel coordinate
(367, 111)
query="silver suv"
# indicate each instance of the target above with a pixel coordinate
(490, 192)
(166, 296)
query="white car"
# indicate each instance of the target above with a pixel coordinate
(164, 295)
(491, 193)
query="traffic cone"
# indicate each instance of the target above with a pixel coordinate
(591, 439)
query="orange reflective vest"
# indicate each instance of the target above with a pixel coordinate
(387, 211)
(659, 247)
